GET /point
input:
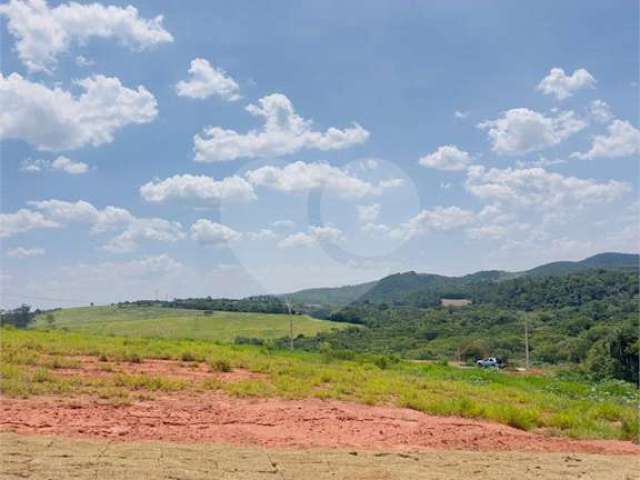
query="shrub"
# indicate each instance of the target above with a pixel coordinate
(188, 357)
(219, 365)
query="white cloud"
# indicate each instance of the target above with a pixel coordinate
(299, 239)
(37, 165)
(43, 33)
(460, 114)
(521, 130)
(23, 221)
(283, 224)
(538, 188)
(83, 212)
(69, 166)
(562, 86)
(21, 252)
(314, 236)
(54, 119)
(145, 229)
(284, 132)
(84, 61)
(388, 183)
(301, 176)
(61, 163)
(205, 81)
(207, 232)
(540, 162)
(134, 229)
(623, 140)
(600, 111)
(438, 219)
(262, 234)
(368, 213)
(198, 187)
(447, 157)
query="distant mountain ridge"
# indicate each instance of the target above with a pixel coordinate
(404, 286)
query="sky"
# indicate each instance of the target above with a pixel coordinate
(153, 150)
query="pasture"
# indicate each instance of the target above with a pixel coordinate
(161, 322)
(40, 363)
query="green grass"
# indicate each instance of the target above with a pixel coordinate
(572, 407)
(177, 323)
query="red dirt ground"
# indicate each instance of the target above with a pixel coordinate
(93, 367)
(215, 417)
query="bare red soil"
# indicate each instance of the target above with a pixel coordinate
(93, 367)
(215, 417)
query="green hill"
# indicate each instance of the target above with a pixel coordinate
(338, 296)
(425, 289)
(163, 322)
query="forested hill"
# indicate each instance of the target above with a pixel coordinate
(423, 289)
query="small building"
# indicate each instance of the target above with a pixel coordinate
(455, 302)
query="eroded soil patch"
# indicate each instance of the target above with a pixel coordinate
(308, 423)
(191, 371)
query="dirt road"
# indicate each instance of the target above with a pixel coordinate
(45, 457)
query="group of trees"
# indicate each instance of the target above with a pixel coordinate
(588, 318)
(255, 304)
(19, 317)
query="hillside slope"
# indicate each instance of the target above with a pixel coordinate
(425, 289)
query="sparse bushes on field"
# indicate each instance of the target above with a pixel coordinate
(219, 365)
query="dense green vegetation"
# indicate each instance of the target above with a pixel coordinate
(256, 304)
(561, 403)
(589, 318)
(163, 322)
(425, 290)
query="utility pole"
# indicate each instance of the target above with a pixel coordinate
(290, 325)
(526, 340)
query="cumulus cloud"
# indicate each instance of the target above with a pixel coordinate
(262, 234)
(460, 114)
(438, 219)
(368, 213)
(283, 224)
(207, 232)
(145, 229)
(300, 177)
(521, 130)
(23, 221)
(600, 111)
(43, 33)
(133, 229)
(206, 81)
(84, 61)
(622, 140)
(54, 119)
(65, 212)
(60, 164)
(314, 236)
(447, 157)
(562, 86)
(539, 188)
(198, 188)
(21, 252)
(284, 132)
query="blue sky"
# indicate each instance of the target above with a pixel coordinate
(351, 140)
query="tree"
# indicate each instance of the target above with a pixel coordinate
(19, 317)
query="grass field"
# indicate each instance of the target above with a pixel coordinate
(569, 406)
(177, 323)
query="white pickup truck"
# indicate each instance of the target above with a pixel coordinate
(491, 362)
